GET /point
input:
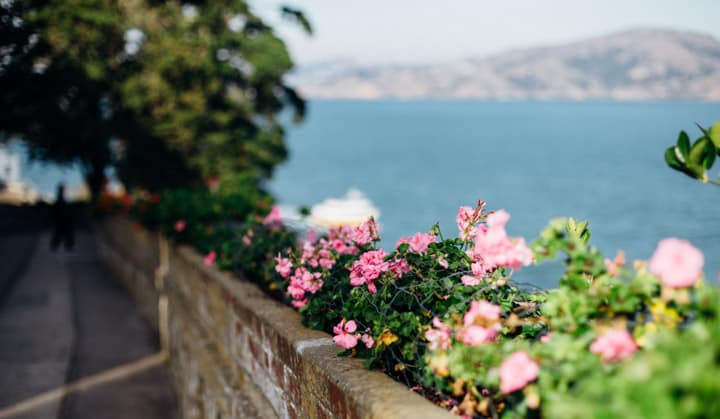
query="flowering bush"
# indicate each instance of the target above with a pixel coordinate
(603, 329)
(445, 316)
(234, 228)
(380, 305)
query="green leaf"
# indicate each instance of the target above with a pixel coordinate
(671, 158)
(683, 144)
(702, 153)
(715, 135)
(297, 16)
(704, 131)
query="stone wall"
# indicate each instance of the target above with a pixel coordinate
(234, 352)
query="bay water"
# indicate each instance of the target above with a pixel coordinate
(418, 161)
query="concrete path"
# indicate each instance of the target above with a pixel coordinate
(65, 318)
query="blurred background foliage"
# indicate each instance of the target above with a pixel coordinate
(167, 93)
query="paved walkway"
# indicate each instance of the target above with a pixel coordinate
(64, 318)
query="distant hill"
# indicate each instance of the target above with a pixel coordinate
(643, 64)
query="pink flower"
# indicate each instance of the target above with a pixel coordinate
(493, 248)
(367, 340)
(481, 310)
(479, 271)
(464, 220)
(343, 327)
(443, 262)
(439, 336)
(180, 225)
(299, 303)
(399, 267)
(470, 280)
(365, 232)
(546, 338)
(615, 345)
(344, 334)
(283, 266)
(325, 260)
(418, 242)
(311, 235)
(367, 268)
(303, 281)
(677, 263)
(340, 233)
(274, 217)
(247, 238)
(613, 266)
(517, 371)
(306, 280)
(478, 335)
(467, 218)
(210, 258)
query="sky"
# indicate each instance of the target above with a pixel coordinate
(422, 31)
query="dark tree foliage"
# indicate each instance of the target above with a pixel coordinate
(168, 93)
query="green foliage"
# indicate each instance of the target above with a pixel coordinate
(227, 221)
(660, 380)
(256, 244)
(694, 159)
(412, 320)
(399, 307)
(195, 95)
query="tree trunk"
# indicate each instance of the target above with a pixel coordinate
(95, 178)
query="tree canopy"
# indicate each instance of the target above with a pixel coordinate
(167, 93)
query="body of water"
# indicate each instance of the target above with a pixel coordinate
(419, 161)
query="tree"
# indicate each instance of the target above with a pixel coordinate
(166, 92)
(58, 69)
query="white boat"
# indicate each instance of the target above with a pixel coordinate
(352, 209)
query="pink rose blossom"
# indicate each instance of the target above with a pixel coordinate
(615, 345)
(283, 266)
(481, 310)
(677, 263)
(517, 371)
(344, 334)
(180, 225)
(210, 258)
(274, 217)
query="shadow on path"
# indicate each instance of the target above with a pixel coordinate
(67, 318)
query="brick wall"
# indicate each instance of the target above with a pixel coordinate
(236, 353)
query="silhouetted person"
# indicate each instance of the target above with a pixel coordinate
(63, 222)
